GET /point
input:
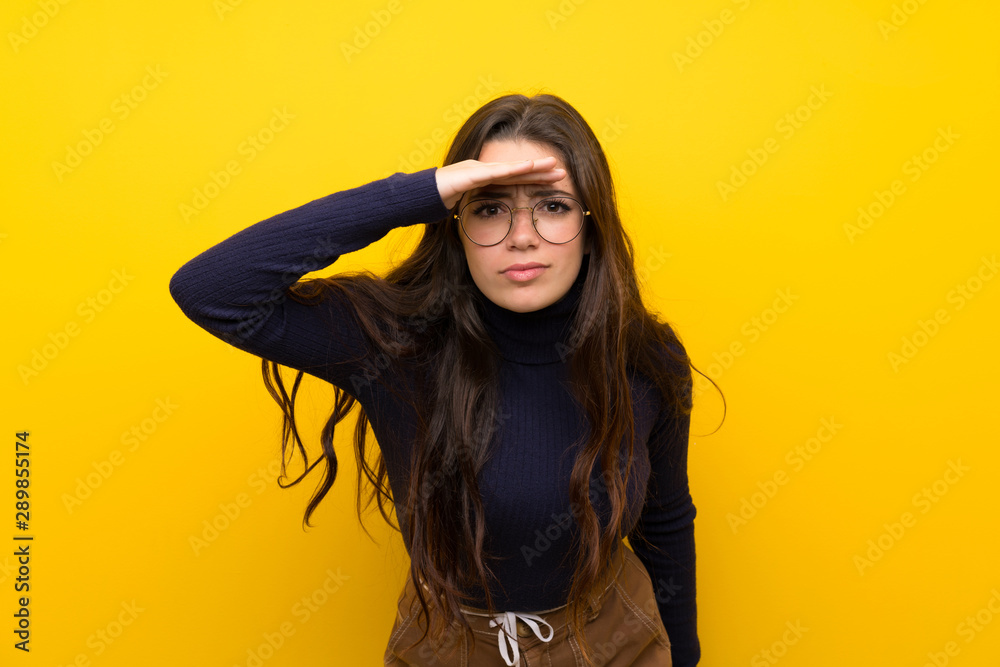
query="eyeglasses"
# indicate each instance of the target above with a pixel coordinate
(488, 221)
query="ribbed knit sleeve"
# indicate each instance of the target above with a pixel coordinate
(237, 289)
(667, 522)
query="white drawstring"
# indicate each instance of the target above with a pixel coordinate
(508, 633)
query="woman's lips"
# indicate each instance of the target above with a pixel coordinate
(525, 274)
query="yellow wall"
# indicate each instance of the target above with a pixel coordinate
(746, 137)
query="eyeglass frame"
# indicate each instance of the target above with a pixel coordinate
(510, 225)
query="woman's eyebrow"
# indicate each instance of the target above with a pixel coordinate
(505, 194)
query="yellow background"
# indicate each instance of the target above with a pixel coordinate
(893, 77)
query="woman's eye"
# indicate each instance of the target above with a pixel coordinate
(489, 210)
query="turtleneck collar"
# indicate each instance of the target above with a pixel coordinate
(538, 337)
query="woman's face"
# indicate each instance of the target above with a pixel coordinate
(523, 245)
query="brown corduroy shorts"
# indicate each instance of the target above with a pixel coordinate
(625, 629)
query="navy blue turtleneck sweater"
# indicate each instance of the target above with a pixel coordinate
(236, 290)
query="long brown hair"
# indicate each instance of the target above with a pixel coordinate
(422, 321)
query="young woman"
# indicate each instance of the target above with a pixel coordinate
(530, 412)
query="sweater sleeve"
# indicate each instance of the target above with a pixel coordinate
(237, 290)
(667, 522)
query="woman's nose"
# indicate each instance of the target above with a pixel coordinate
(523, 223)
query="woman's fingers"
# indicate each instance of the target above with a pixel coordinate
(455, 179)
(532, 177)
(527, 171)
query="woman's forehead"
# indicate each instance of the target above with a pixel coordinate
(506, 150)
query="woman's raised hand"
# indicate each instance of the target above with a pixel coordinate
(455, 179)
